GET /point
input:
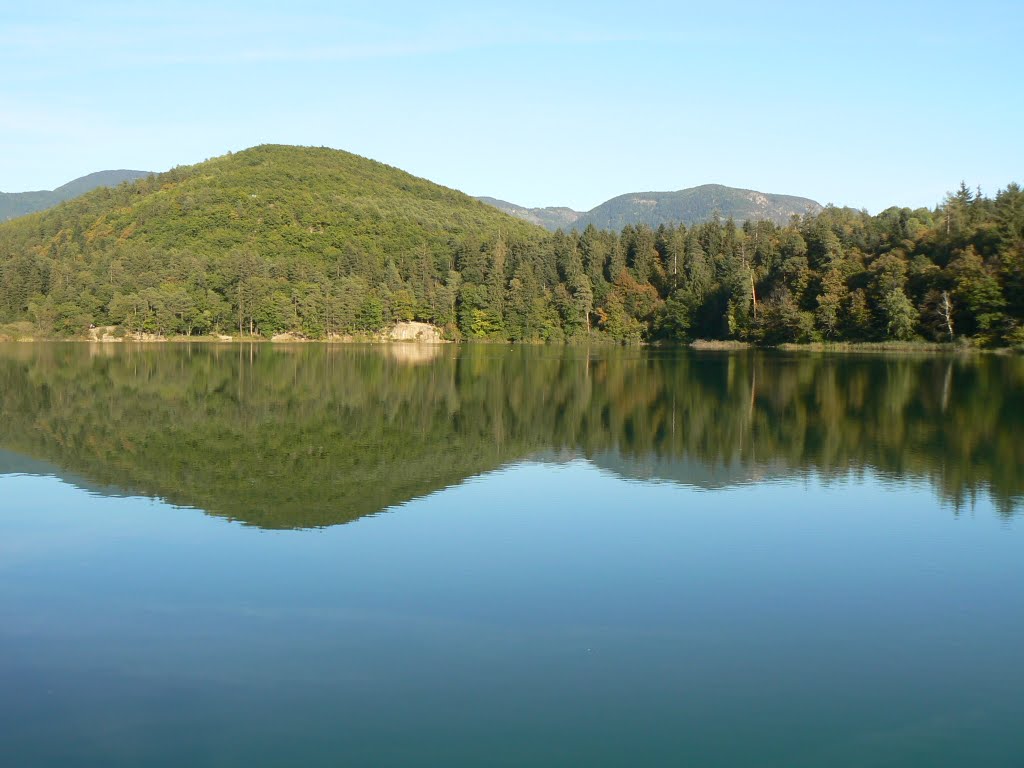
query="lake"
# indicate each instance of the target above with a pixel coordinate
(262, 555)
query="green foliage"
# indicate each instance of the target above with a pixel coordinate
(322, 243)
(896, 314)
(977, 290)
(676, 317)
(834, 294)
(267, 240)
(780, 321)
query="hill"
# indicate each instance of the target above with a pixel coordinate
(687, 206)
(14, 204)
(551, 219)
(321, 243)
(312, 240)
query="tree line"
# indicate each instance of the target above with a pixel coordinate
(193, 260)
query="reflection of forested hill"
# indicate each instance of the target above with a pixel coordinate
(271, 437)
(17, 464)
(319, 435)
(687, 470)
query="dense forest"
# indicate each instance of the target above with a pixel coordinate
(322, 243)
(297, 436)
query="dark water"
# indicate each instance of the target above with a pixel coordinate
(234, 556)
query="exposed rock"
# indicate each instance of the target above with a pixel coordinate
(104, 333)
(413, 331)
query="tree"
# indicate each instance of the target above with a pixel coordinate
(574, 296)
(859, 319)
(370, 317)
(834, 295)
(978, 293)
(895, 311)
(676, 317)
(782, 321)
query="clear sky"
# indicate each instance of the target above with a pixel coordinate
(865, 104)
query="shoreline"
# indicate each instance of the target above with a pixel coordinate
(699, 345)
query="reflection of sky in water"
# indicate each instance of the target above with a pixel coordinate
(539, 614)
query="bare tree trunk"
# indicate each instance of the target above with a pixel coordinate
(947, 386)
(753, 394)
(946, 308)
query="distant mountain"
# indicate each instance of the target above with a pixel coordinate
(549, 218)
(14, 204)
(724, 472)
(687, 206)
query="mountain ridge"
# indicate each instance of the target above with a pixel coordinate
(323, 244)
(692, 205)
(688, 206)
(16, 204)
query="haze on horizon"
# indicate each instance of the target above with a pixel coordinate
(866, 106)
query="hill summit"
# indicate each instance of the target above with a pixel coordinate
(273, 238)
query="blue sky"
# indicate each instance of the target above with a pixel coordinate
(865, 104)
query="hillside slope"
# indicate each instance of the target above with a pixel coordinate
(321, 243)
(252, 241)
(694, 205)
(14, 204)
(686, 206)
(280, 199)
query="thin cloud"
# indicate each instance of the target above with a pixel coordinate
(288, 39)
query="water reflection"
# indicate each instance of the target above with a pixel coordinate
(301, 436)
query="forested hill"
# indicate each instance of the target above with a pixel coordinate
(694, 205)
(320, 242)
(552, 218)
(273, 238)
(14, 204)
(654, 209)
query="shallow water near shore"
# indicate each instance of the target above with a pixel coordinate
(267, 555)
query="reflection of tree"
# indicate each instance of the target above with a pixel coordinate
(287, 437)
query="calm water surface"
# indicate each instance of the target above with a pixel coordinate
(401, 556)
